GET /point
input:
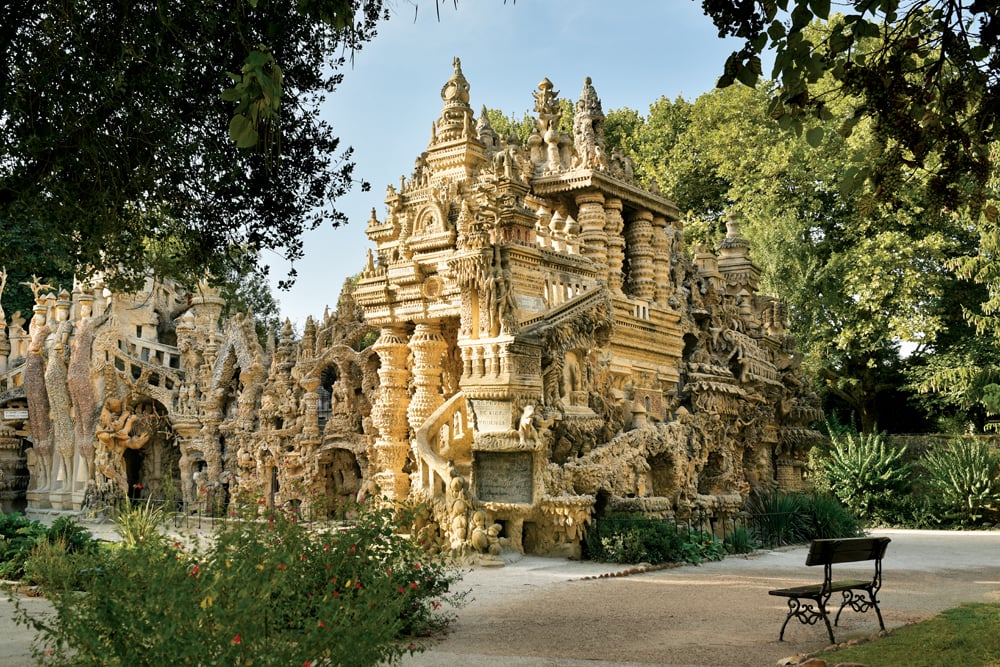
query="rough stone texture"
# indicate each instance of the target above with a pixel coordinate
(544, 339)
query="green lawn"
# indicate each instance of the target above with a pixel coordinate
(968, 635)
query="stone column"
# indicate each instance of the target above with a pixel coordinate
(592, 221)
(639, 252)
(428, 347)
(661, 260)
(389, 413)
(616, 244)
(310, 428)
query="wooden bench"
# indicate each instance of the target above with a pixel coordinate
(858, 594)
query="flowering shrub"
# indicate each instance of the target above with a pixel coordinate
(264, 592)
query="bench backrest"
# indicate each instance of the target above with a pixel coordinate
(847, 550)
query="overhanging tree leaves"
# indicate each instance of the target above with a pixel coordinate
(926, 71)
(117, 133)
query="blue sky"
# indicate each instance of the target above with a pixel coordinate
(634, 50)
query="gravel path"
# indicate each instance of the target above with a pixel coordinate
(536, 612)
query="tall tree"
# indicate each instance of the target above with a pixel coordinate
(926, 72)
(122, 128)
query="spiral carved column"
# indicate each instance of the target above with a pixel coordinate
(661, 260)
(428, 347)
(592, 222)
(392, 446)
(639, 251)
(616, 244)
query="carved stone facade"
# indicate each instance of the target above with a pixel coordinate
(591, 355)
(543, 340)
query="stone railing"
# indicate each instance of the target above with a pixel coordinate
(444, 438)
(151, 352)
(160, 380)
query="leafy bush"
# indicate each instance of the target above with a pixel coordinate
(864, 473)
(628, 538)
(964, 478)
(263, 592)
(74, 537)
(699, 546)
(55, 563)
(18, 536)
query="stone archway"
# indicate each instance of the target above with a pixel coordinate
(138, 455)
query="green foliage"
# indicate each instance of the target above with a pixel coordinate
(778, 518)
(263, 592)
(53, 563)
(740, 541)
(865, 474)
(829, 518)
(18, 536)
(117, 133)
(140, 522)
(924, 72)
(964, 479)
(74, 537)
(699, 546)
(628, 538)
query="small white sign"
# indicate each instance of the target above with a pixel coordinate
(17, 414)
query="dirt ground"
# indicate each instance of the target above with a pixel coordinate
(539, 612)
(536, 612)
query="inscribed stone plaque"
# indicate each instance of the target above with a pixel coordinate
(492, 416)
(503, 477)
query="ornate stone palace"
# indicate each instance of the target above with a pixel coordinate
(546, 348)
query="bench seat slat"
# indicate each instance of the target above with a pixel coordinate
(816, 589)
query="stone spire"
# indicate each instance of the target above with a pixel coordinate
(456, 116)
(485, 131)
(734, 258)
(588, 128)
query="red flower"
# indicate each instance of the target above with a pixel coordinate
(401, 589)
(237, 639)
(306, 664)
(138, 486)
(281, 566)
(195, 570)
(413, 584)
(320, 624)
